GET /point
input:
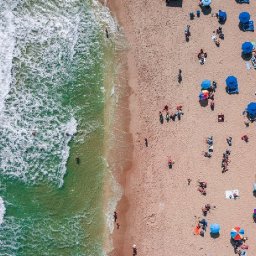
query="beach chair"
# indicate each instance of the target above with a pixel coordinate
(249, 26)
(253, 60)
(222, 16)
(243, 1)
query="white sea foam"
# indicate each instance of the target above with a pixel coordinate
(37, 49)
(2, 210)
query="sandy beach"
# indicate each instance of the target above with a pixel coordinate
(158, 209)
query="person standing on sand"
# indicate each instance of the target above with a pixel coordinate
(146, 142)
(161, 118)
(115, 216)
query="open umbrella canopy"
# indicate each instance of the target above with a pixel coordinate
(237, 233)
(203, 95)
(205, 85)
(206, 2)
(247, 47)
(215, 228)
(232, 84)
(244, 17)
(222, 15)
(251, 110)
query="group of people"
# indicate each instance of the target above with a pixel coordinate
(202, 56)
(201, 226)
(206, 209)
(218, 34)
(168, 117)
(225, 160)
(202, 185)
(209, 142)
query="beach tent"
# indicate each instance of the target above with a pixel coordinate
(247, 47)
(206, 2)
(244, 17)
(251, 110)
(237, 233)
(215, 228)
(206, 85)
(232, 85)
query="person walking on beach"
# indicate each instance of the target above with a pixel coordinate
(179, 76)
(161, 118)
(146, 142)
(115, 216)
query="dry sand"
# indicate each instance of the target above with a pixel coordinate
(158, 208)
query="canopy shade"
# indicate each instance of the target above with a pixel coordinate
(247, 47)
(237, 233)
(206, 85)
(232, 84)
(244, 17)
(251, 110)
(222, 15)
(215, 228)
(206, 2)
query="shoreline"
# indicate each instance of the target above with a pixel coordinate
(158, 209)
(122, 126)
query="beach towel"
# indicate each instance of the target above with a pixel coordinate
(197, 230)
(229, 193)
(248, 65)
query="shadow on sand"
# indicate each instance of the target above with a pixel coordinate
(174, 3)
(206, 10)
(203, 103)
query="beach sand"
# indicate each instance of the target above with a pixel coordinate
(158, 210)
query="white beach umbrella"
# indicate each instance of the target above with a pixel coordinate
(206, 2)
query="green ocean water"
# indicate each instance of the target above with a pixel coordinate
(51, 111)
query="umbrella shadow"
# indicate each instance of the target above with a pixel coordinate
(239, 2)
(222, 22)
(206, 10)
(214, 236)
(203, 103)
(247, 56)
(174, 3)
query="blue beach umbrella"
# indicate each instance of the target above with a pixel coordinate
(231, 81)
(205, 85)
(247, 47)
(251, 110)
(206, 2)
(232, 84)
(244, 17)
(215, 228)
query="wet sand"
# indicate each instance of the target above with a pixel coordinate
(158, 208)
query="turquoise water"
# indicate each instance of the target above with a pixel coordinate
(51, 111)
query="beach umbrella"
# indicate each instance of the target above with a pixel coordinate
(247, 47)
(244, 17)
(215, 228)
(251, 110)
(237, 233)
(232, 84)
(205, 85)
(222, 15)
(203, 95)
(231, 81)
(206, 2)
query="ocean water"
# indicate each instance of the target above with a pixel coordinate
(51, 111)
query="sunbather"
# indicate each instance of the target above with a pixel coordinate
(245, 138)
